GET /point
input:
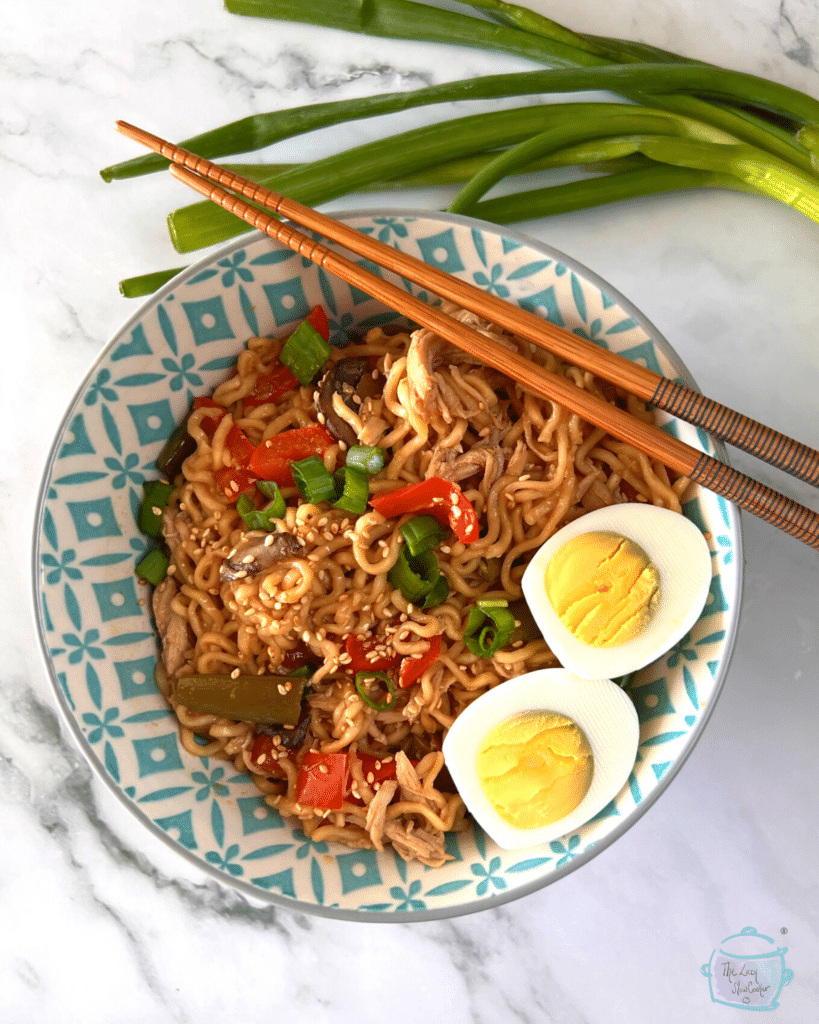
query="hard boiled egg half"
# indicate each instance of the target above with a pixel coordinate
(616, 588)
(539, 755)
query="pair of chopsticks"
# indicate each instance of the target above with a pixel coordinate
(769, 445)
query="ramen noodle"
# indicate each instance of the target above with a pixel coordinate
(526, 465)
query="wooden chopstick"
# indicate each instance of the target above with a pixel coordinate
(749, 494)
(765, 443)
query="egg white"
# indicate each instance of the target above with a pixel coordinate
(678, 550)
(598, 706)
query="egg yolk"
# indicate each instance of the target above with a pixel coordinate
(535, 768)
(604, 588)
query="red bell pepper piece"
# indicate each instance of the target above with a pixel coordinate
(437, 497)
(321, 780)
(271, 386)
(240, 447)
(267, 756)
(318, 318)
(413, 668)
(211, 422)
(381, 655)
(237, 478)
(205, 401)
(234, 481)
(272, 458)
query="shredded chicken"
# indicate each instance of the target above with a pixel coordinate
(432, 399)
(417, 843)
(172, 628)
(377, 812)
(488, 457)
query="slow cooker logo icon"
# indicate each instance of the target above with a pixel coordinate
(748, 971)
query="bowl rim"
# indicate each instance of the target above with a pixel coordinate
(252, 893)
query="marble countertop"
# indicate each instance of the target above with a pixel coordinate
(102, 922)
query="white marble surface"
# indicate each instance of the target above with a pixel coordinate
(100, 922)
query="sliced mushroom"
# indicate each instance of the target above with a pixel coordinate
(291, 736)
(346, 377)
(256, 552)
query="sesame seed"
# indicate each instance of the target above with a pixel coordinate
(235, 674)
(268, 540)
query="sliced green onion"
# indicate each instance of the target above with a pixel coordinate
(355, 490)
(422, 533)
(144, 284)
(260, 518)
(313, 479)
(368, 458)
(154, 500)
(277, 506)
(153, 567)
(485, 639)
(414, 575)
(305, 352)
(438, 594)
(382, 677)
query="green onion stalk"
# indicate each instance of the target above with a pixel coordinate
(684, 124)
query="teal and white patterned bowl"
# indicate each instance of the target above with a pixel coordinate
(97, 637)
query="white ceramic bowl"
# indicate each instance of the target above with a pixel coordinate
(98, 640)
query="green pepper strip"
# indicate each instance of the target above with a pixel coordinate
(154, 500)
(153, 567)
(382, 677)
(265, 700)
(485, 640)
(305, 352)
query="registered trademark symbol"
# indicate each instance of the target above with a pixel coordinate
(784, 931)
